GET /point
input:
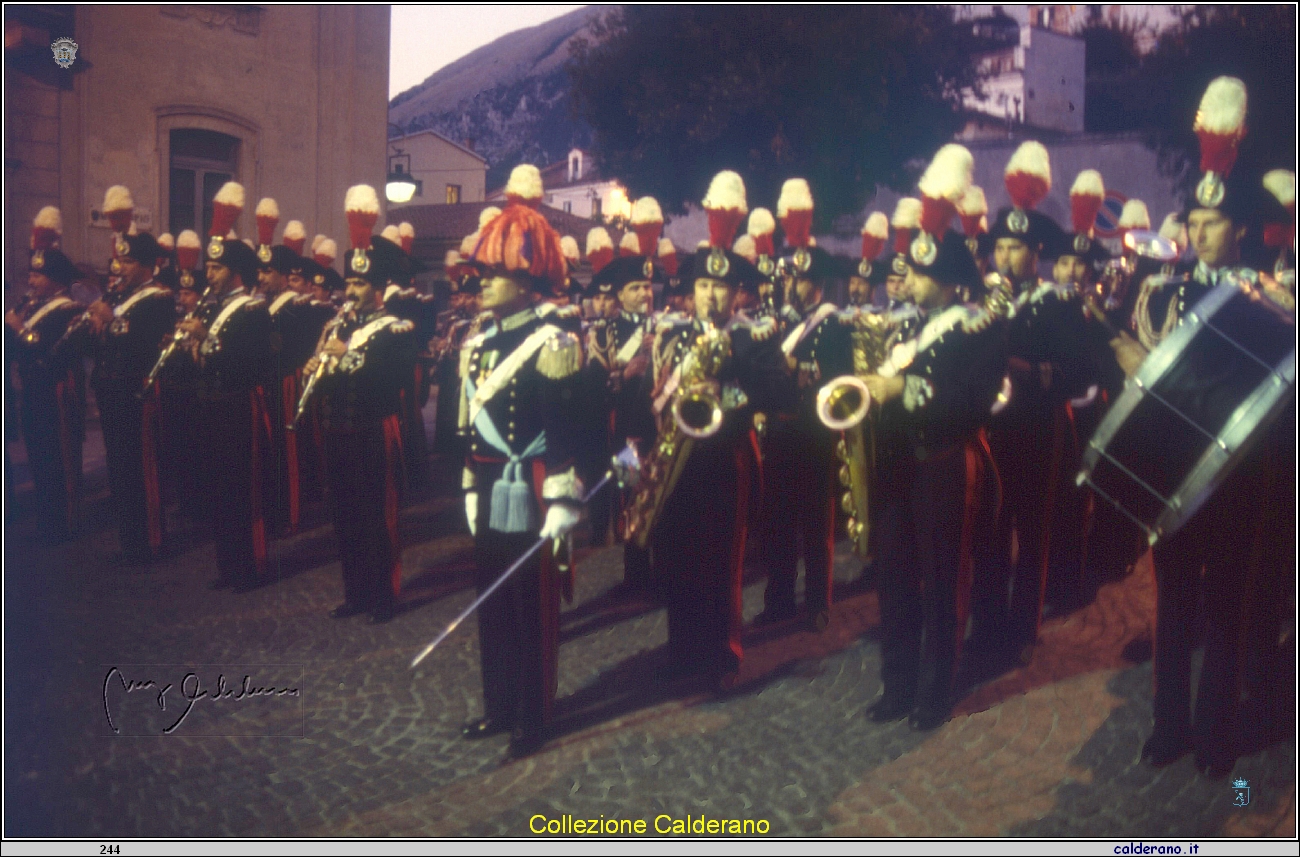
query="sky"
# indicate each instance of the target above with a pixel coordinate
(425, 38)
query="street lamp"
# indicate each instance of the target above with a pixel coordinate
(400, 186)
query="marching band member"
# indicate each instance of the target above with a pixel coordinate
(619, 358)
(367, 353)
(130, 333)
(232, 350)
(935, 391)
(1209, 557)
(799, 453)
(1048, 364)
(53, 380)
(520, 379)
(713, 365)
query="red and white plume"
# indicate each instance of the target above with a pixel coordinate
(648, 223)
(361, 206)
(1134, 215)
(390, 233)
(971, 209)
(467, 245)
(118, 207)
(1086, 196)
(267, 215)
(451, 261)
(486, 215)
(726, 207)
(326, 252)
(629, 245)
(188, 248)
(1028, 175)
(668, 256)
(600, 248)
(525, 186)
(1281, 184)
(227, 205)
(1221, 123)
(406, 236)
(875, 232)
(167, 242)
(794, 208)
(762, 226)
(47, 229)
(906, 220)
(744, 247)
(569, 247)
(295, 236)
(315, 242)
(943, 185)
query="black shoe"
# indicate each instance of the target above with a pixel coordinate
(927, 719)
(1214, 765)
(246, 585)
(1162, 749)
(888, 709)
(220, 583)
(484, 727)
(346, 609)
(382, 615)
(525, 742)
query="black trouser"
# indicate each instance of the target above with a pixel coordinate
(698, 549)
(364, 469)
(926, 526)
(53, 429)
(122, 420)
(518, 639)
(800, 496)
(1022, 448)
(237, 441)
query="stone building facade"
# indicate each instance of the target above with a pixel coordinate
(171, 101)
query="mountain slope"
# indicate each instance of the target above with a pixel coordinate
(511, 97)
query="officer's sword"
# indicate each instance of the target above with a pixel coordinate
(624, 468)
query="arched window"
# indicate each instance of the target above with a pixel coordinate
(201, 162)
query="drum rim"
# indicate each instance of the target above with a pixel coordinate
(1215, 464)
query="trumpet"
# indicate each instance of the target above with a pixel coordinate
(177, 338)
(324, 366)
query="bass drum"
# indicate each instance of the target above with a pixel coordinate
(1197, 405)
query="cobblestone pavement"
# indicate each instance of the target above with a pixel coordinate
(372, 748)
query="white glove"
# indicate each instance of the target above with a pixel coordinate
(471, 512)
(560, 521)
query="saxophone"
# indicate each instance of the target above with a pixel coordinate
(872, 336)
(694, 414)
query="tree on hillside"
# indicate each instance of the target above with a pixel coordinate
(1160, 95)
(844, 96)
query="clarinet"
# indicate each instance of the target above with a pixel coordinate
(177, 338)
(324, 366)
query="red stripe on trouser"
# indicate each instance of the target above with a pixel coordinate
(149, 456)
(392, 478)
(965, 566)
(744, 475)
(261, 433)
(289, 398)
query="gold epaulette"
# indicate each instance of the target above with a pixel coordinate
(560, 356)
(402, 326)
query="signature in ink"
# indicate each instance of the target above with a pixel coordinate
(190, 691)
